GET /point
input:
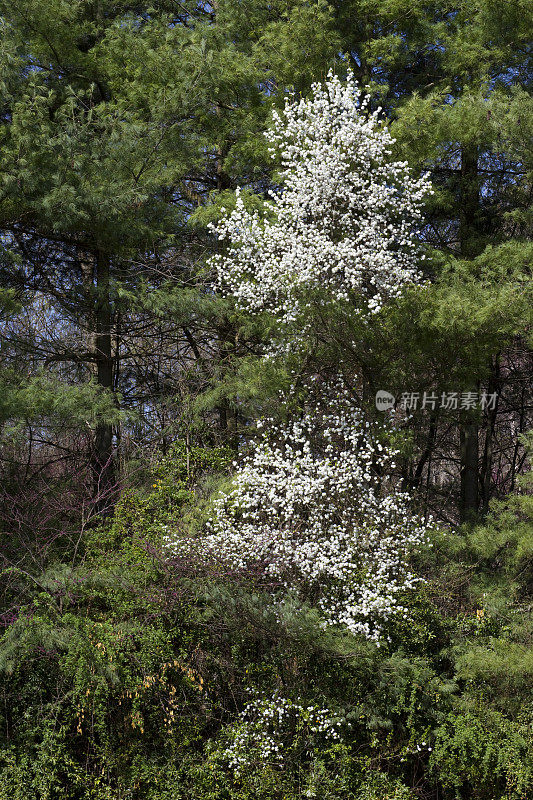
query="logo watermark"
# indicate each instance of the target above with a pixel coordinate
(449, 401)
(384, 400)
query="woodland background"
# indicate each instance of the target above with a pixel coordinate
(128, 386)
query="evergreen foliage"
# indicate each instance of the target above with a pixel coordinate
(344, 611)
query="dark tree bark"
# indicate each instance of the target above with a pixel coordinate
(469, 248)
(486, 467)
(103, 464)
(469, 442)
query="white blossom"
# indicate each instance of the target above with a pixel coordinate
(265, 726)
(309, 512)
(341, 228)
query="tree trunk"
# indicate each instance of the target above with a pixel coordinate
(103, 465)
(469, 248)
(469, 470)
(486, 469)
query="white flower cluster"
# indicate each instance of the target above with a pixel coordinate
(343, 222)
(266, 725)
(308, 512)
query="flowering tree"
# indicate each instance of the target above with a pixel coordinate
(307, 509)
(341, 229)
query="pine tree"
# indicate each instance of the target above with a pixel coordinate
(456, 84)
(468, 131)
(116, 123)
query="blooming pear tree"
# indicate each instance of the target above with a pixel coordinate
(308, 512)
(341, 228)
(309, 509)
